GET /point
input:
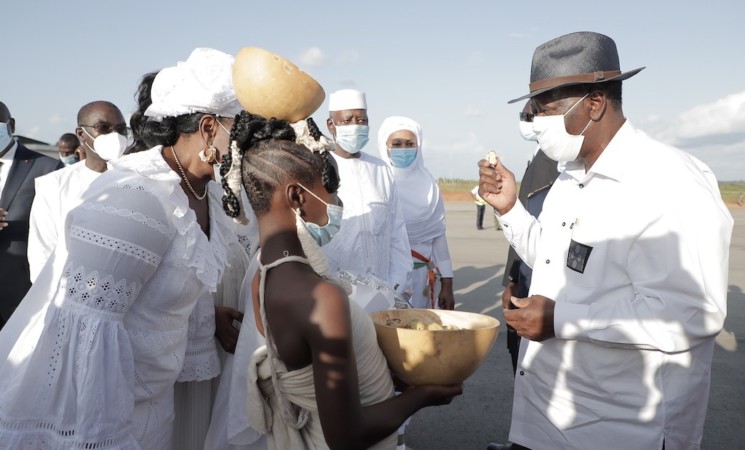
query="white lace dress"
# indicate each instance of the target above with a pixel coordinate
(99, 347)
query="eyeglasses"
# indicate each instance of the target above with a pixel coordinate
(106, 128)
(526, 117)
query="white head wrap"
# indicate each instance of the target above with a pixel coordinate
(418, 193)
(203, 83)
(345, 99)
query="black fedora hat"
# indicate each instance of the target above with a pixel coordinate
(576, 58)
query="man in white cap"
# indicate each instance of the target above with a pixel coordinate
(372, 239)
(102, 129)
(627, 295)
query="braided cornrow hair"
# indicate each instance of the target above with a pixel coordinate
(269, 155)
(329, 177)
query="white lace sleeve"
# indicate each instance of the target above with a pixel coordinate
(76, 389)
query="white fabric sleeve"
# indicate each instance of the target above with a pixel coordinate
(678, 267)
(401, 265)
(120, 232)
(42, 232)
(115, 242)
(441, 256)
(522, 230)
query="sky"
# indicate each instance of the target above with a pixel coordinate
(451, 66)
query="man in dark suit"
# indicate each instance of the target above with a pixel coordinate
(19, 167)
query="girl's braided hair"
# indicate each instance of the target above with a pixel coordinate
(269, 156)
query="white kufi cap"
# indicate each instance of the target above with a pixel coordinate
(345, 99)
(203, 83)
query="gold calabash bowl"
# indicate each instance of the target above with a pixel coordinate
(272, 86)
(449, 356)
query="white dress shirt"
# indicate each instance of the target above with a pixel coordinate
(57, 193)
(7, 161)
(635, 253)
(372, 239)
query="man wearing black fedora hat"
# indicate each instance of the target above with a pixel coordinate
(627, 292)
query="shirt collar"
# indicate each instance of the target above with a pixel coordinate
(612, 161)
(10, 154)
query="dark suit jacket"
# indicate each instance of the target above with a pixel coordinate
(16, 199)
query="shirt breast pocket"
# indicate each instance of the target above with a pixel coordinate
(586, 263)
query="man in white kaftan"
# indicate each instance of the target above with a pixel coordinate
(59, 192)
(628, 293)
(373, 239)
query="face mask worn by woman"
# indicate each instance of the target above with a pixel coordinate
(323, 234)
(553, 138)
(108, 146)
(402, 157)
(352, 138)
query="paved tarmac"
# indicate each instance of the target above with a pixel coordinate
(482, 414)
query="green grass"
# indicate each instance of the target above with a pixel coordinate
(733, 192)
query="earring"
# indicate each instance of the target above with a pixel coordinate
(210, 156)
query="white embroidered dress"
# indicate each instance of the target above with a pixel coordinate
(101, 339)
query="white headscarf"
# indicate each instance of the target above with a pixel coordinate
(417, 190)
(203, 83)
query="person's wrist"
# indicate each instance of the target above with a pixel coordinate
(506, 209)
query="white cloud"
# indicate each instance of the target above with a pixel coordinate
(313, 57)
(713, 132)
(474, 111)
(56, 119)
(724, 116)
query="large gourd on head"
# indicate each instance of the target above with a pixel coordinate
(271, 86)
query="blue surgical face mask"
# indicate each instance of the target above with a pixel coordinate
(402, 157)
(323, 234)
(6, 137)
(352, 138)
(69, 160)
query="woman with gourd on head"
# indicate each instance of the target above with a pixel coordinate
(321, 381)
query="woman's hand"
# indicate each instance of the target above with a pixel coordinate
(446, 298)
(225, 332)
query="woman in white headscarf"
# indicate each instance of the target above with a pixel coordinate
(90, 358)
(400, 145)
